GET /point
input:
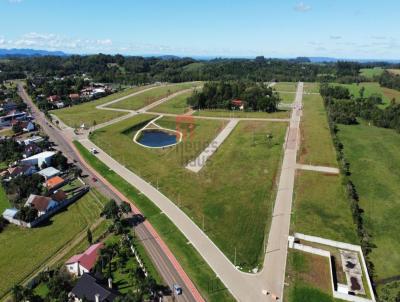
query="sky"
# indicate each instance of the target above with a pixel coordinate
(358, 29)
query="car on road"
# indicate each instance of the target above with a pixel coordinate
(94, 179)
(177, 290)
(93, 151)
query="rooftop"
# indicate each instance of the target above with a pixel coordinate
(88, 258)
(88, 287)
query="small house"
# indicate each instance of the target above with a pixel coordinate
(83, 263)
(42, 204)
(9, 214)
(54, 183)
(39, 159)
(53, 98)
(49, 172)
(74, 97)
(89, 288)
(238, 103)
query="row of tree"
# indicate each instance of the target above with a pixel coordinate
(390, 80)
(219, 95)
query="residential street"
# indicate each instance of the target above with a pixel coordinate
(171, 273)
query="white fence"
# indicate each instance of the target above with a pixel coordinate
(320, 252)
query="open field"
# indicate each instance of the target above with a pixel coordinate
(316, 146)
(176, 105)
(193, 264)
(394, 71)
(308, 277)
(370, 73)
(6, 132)
(148, 97)
(374, 156)
(321, 207)
(241, 114)
(311, 87)
(4, 202)
(287, 97)
(42, 242)
(285, 86)
(237, 184)
(87, 113)
(371, 88)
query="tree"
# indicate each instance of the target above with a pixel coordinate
(125, 207)
(16, 128)
(111, 210)
(89, 236)
(17, 292)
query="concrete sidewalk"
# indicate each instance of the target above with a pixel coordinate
(197, 164)
(322, 169)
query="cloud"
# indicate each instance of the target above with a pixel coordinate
(14, 1)
(302, 8)
(335, 37)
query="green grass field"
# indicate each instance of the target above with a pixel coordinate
(311, 87)
(237, 184)
(4, 202)
(321, 207)
(316, 145)
(176, 105)
(148, 97)
(87, 113)
(193, 264)
(285, 86)
(371, 88)
(308, 278)
(287, 97)
(24, 250)
(370, 73)
(374, 156)
(241, 114)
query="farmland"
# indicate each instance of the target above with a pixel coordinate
(148, 97)
(87, 112)
(211, 194)
(43, 242)
(374, 159)
(370, 73)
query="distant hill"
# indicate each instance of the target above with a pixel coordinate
(26, 52)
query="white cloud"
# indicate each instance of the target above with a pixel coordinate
(104, 42)
(335, 37)
(14, 1)
(302, 8)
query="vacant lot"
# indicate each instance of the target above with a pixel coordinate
(286, 86)
(370, 73)
(287, 97)
(316, 146)
(233, 193)
(371, 88)
(87, 113)
(308, 277)
(394, 71)
(321, 207)
(374, 156)
(310, 87)
(194, 265)
(25, 250)
(176, 105)
(241, 114)
(148, 97)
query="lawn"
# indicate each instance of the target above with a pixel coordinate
(287, 97)
(148, 97)
(42, 242)
(316, 145)
(370, 73)
(371, 88)
(241, 114)
(321, 207)
(176, 105)
(308, 278)
(193, 264)
(237, 184)
(374, 156)
(4, 202)
(285, 86)
(6, 132)
(87, 113)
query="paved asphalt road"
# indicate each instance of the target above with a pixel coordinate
(152, 246)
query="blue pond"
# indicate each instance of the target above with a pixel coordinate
(157, 138)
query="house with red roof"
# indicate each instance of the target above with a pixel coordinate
(238, 103)
(83, 263)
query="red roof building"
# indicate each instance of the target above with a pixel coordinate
(53, 98)
(83, 263)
